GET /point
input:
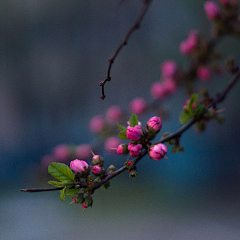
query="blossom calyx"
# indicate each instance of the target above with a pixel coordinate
(98, 160)
(111, 169)
(88, 201)
(134, 133)
(78, 198)
(158, 151)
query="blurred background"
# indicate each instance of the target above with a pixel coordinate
(53, 56)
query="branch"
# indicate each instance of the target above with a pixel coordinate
(178, 133)
(134, 27)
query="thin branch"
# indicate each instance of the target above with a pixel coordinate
(178, 133)
(134, 27)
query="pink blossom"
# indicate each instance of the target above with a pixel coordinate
(129, 164)
(75, 200)
(157, 152)
(185, 106)
(170, 85)
(122, 149)
(224, 2)
(190, 44)
(113, 113)
(90, 183)
(83, 151)
(134, 133)
(111, 142)
(138, 106)
(84, 205)
(78, 166)
(169, 68)
(96, 124)
(212, 10)
(157, 90)
(155, 123)
(96, 169)
(61, 152)
(134, 149)
(204, 73)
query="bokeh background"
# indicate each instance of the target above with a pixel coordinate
(53, 56)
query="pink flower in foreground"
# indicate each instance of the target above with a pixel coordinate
(96, 124)
(157, 152)
(204, 73)
(155, 123)
(113, 114)
(134, 133)
(83, 151)
(96, 169)
(212, 10)
(157, 90)
(78, 166)
(61, 152)
(111, 142)
(134, 149)
(122, 149)
(138, 106)
(169, 68)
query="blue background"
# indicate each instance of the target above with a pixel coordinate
(53, 56)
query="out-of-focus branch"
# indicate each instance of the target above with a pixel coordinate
(220, 97)
(134, 27)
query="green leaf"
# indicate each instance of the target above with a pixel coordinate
(122, 128)
(192, 100)
(106, 185)
(61, 172)
(72, 191)
(123, 135)
(57, 184)
(184, 117)
(133, 120)
(62, 194)
(200, 110)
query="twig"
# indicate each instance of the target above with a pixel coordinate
(178, 133)
(134, 27)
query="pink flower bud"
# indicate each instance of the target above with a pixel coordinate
(83, 151)
(96, 124)
(113, 114)
(134, 133)
(97, 160)
(84, 205)
(61, 152)
(75, 200)
(189, 45)
(170, 85)
(154, 123)
(204, 73)
(157, 152)
(138, 106)
(96, 169)
(78, 166)
(111, 142)
(212, 10)
(185, 106)
(224, 2)
(134, 149)
(129, 164)
(122, 149)
(169, 68)
(157, 90)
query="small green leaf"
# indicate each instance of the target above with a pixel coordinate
(189, 105)
(72, 191)
(184, 117)
(62, 194)
(123, 135)
(133, 120)
(122, 128)
(61, 172)
(57, 184)
(200, 110)
(106, 185)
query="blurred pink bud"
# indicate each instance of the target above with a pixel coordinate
(169, 68)
(122, 149)
(129, 164)
(111, 142)
(138, 106)
(170, 85)
(84, 205)
(157, 152)
(224, 2)
(75, 200)
(96, 169)
(212, 10)
(96, 124)
(134, 133)
(78, 166)
(61, 152)
(155, 123)
(204, 73)
(185, 106)
(134, 149)
(113, 114)
(83, 151)
(190, 44)
(157, 90)
(46, 160)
